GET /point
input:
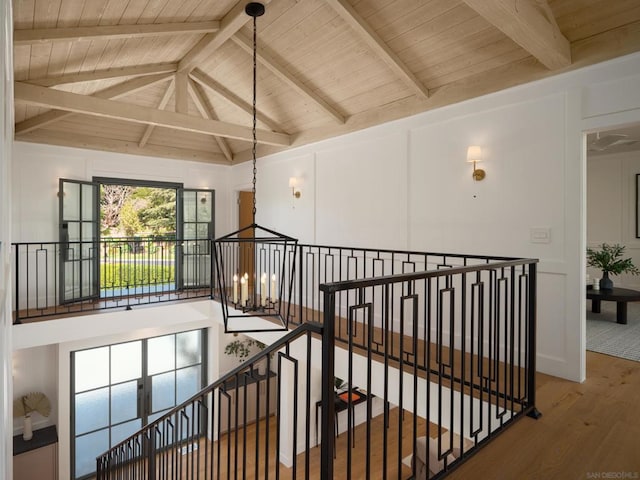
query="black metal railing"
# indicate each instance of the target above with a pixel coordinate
(438, 357)
(253, 422)
(448, 355)
(53, 278)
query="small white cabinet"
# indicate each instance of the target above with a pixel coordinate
(36, 459)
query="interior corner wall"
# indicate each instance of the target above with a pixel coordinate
(6, 144)
(612, 208)
(406, 185)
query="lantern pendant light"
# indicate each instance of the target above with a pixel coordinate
(255, 266)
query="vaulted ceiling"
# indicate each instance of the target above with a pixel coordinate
(174, 78)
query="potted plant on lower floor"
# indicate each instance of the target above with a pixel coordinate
(241, 348)
(609, 259)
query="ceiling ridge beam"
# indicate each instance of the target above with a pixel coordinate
(161, 106)
(206, 81)
(120, 90)
(135, 71)
(531, 24)
(107, 32)
(233, 21)
(268, 61)
(346, 11)
(206, 110)
(51, 98)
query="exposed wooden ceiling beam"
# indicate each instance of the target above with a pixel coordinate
(182, 97)
(381, 49)
(51, 98)
(120, 90)
(531, 24)
(206, 110)
(161, 106)
(104, 74)
(208, 82)
(107, 32)
(230, 24)
(71, 139)
(268, 61)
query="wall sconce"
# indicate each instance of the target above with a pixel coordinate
(295, 188)
(474, 154)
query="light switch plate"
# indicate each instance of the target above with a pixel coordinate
(540, 235)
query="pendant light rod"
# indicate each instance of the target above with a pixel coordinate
(255, 10)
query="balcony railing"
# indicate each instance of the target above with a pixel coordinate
(438, 355)
(53, 278)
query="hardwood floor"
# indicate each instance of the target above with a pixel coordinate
(586, 429)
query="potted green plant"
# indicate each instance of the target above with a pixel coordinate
(241, 348)
(609, 259)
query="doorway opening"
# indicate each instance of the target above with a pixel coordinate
(122, 238)
(612, 218)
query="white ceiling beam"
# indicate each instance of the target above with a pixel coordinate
(379, 47)
(206, 110)
(206, 81)
(108, 32)
(229, 25)
(120, 90)
(51, 98)
(104, 74)
(269, 62)
(161, 106)
(531, 24)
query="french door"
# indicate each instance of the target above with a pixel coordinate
(79, 213)
(196, 208)
(116, 389)
(79, 237)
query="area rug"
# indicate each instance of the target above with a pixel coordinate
(606, 336)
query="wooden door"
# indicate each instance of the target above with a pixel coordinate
(246, 261)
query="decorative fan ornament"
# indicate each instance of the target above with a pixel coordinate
(32, 402)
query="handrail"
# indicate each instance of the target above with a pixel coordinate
(310, 327)
(407, 277)
(410, 252)
(469, 339)
(193, 412)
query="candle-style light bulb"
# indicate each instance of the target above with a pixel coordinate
(235, 289)
(243, 290)
(273, 287)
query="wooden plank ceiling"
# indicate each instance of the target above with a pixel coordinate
(174, 78)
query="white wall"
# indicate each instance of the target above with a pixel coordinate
(406, 185)
(6, 141)
(42, 353)
(611, 208)
(37, 169)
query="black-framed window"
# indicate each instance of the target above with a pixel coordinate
(118, 388)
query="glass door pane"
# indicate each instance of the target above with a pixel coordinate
(196, 209)
(119, 388)
(79, 252)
